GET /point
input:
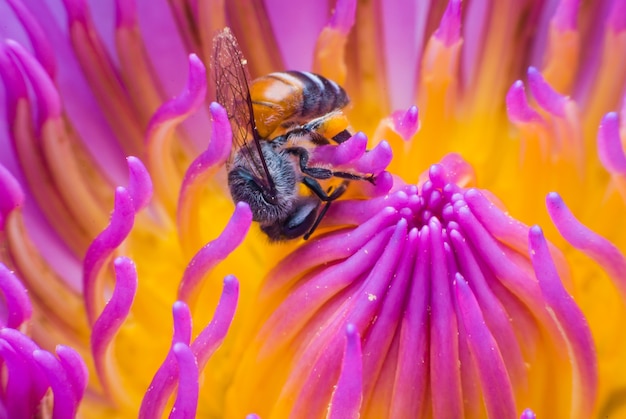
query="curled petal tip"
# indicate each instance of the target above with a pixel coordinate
(343, 16)
(610, 150)
(517, 106)
(545, 95)
(406, 123)
(140, 185)
(449, 31)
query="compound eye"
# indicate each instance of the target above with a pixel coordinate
(301, 220)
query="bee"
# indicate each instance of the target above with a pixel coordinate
(276, 121)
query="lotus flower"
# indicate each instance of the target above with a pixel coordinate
(483, 275)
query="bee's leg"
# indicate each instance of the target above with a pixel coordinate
(320, 172)
(325, 197)
(317, 189)
(342, 136)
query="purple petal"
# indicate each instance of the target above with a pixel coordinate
(140, 184)
(546, 97)
(14, 84)
(528, 414)
(75, 368)
(566, 14)
(125, 13)
(610, 148)
(102, 247)
(47, 97)
(348, 394)
(40, 43)
(496, 387)
(572, 324)
(15, 296)
(113, 316)
(517, 106)
(617, 16)
(65, 405)
(11, 194)
(449, 30)
(598, 248)
(188, 386)
(215, 251)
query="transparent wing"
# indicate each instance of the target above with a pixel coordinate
(233, 93)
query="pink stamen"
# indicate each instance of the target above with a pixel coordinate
(202, 347)
(546, 97)
(444, 350)
(572, 323)
(164, 380)
(492, 371)
(215, 251)
(112, 317)
(341, 154)
(75, 369)
(122, 221)
(343, 16)
(65, 405)
(348, 395)
(11, 194)
(17, 304)
(414, 339)
(566, 15)
(406, 123)
(186, 402)
(177, 109)
(578, 235)
(449, 31)
(28, 379)
(517, 106)
(139, 184)
(610, 149)
(17, 397)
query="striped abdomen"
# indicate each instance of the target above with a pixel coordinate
(293, 98)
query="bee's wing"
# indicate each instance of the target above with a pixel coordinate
(233, 93)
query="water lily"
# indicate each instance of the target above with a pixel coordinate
(481, 276)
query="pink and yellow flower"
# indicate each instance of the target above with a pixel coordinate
(482, 276)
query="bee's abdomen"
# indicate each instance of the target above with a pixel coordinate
(293, 97)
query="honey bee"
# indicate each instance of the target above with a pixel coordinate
(276, 121)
